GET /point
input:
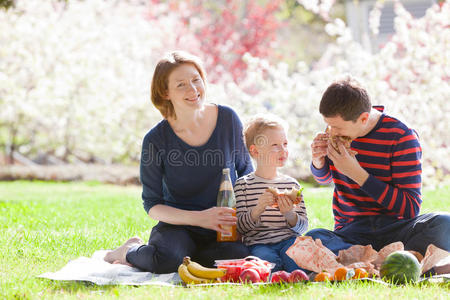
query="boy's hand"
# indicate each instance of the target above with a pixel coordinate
(286, 207)
(319, 150)
(266, 199)
(284, 204)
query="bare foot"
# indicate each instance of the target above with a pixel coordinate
(118, 255)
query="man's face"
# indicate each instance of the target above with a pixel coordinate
(340, 127)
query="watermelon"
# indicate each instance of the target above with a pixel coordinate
(400, 267)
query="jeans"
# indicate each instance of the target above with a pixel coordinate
(416, 233)
(169, 244)
(276, 253)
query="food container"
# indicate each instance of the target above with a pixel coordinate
(236, 266)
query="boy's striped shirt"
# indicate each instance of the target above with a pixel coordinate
(272, 226)
(391, 154)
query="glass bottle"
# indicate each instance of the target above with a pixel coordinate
(226, 198)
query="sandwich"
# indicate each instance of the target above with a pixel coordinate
(294, 194)
(335, 140)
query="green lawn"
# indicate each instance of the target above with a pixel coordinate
(44, 225)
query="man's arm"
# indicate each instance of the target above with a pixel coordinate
(319, 165)
(403, 198)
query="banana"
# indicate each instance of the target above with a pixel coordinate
(188, 278)
(198, 270)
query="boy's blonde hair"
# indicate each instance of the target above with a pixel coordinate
(255, 127)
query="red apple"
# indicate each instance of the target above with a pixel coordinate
(297, 276)
(280, 276)
(249, 275)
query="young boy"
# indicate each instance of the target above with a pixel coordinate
(269, 222)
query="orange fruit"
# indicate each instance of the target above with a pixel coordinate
(323, 276)
(341, 274)
(360, 273)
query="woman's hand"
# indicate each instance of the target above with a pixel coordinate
(215, 217)
(319, 150)
(209, 218)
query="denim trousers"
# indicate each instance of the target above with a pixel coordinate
(276, 253)
(416, 233)
(169, 244)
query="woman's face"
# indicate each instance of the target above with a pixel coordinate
(186, 89)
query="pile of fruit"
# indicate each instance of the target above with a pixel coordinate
(286, 277)
(249, 269)
(399, 267)
(194, 273)
(341, 274)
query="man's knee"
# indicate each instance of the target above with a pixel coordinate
(431, 228)
(442, 220)
(441, 225)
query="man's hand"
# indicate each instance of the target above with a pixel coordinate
(347, 164)
(319, 150)
(264, 200)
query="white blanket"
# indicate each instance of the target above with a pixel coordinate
(94, 269)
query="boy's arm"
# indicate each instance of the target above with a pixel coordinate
(302, 217)
(245, 221)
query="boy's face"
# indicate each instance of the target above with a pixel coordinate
(271, 148)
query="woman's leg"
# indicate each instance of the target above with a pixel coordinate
(166, 248)
(220, 250)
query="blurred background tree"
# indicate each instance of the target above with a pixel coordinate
(6, 3)
(74, 75)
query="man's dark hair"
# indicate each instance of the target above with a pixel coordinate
(345, 98)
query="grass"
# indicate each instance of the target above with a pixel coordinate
(46, 224)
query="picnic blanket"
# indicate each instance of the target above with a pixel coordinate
(94, 269)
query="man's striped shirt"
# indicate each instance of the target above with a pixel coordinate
(391, 154)
(272, 226)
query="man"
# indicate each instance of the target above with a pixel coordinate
(377, 194)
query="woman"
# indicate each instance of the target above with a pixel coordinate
(181, 167)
